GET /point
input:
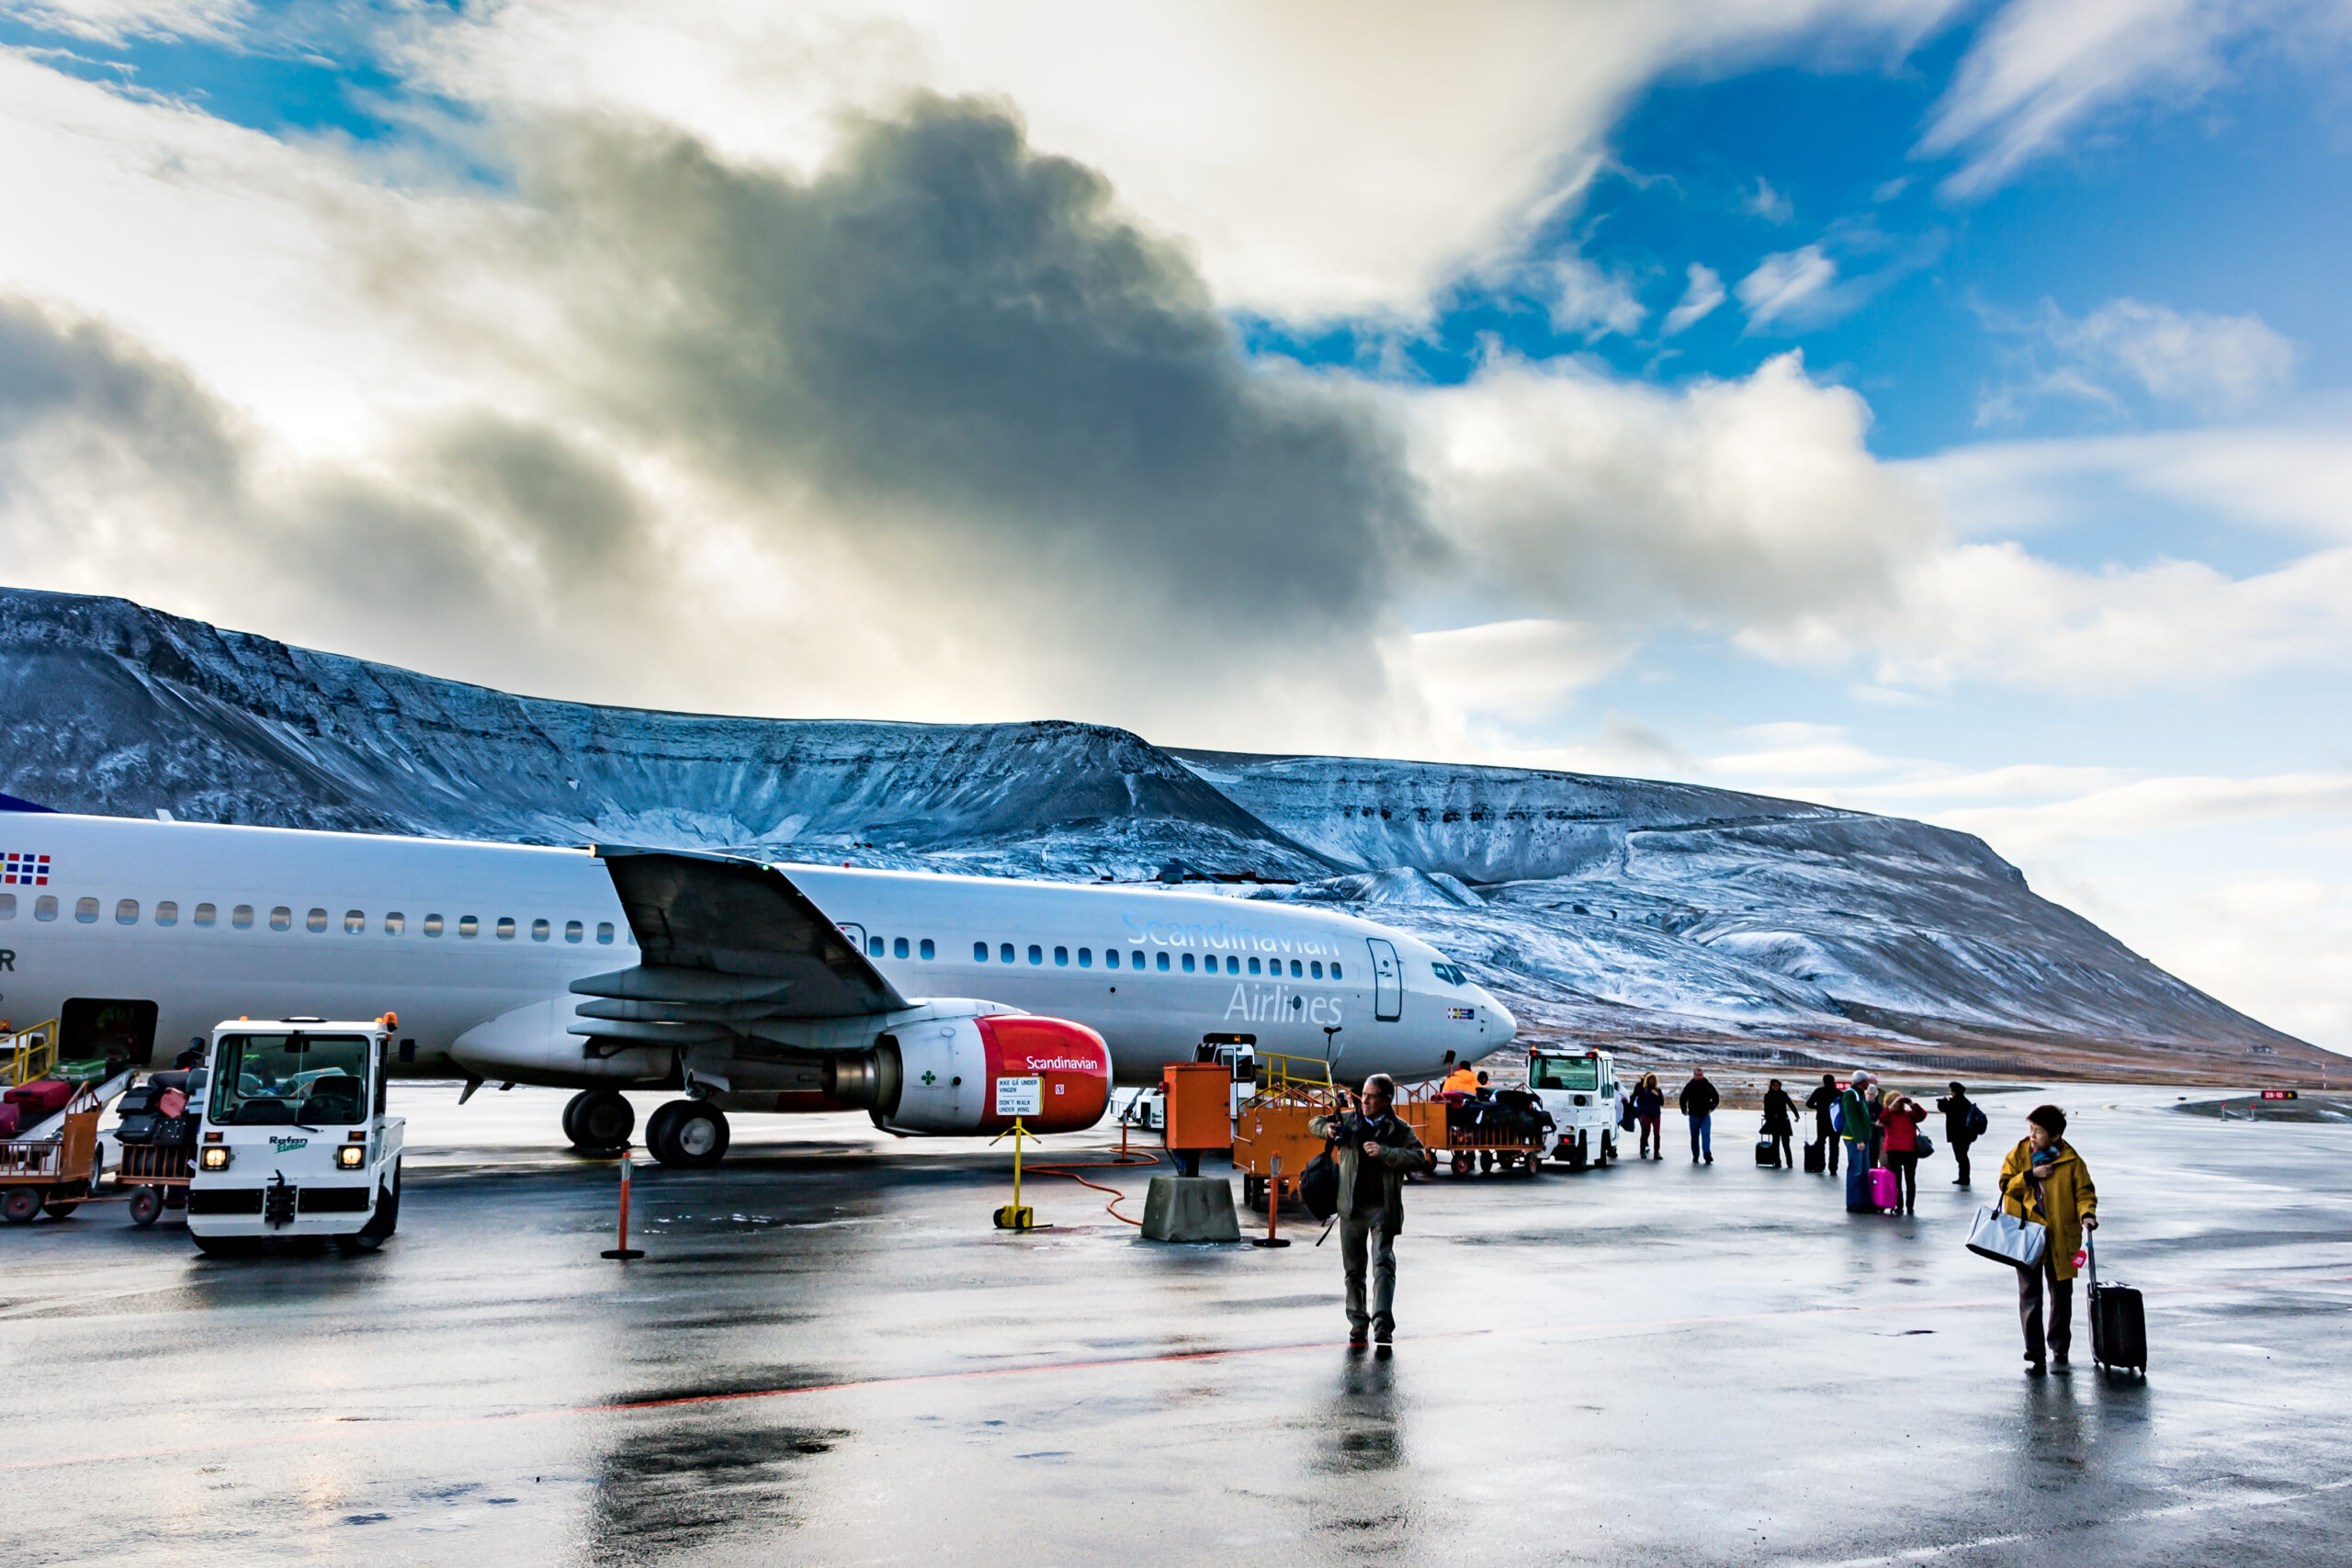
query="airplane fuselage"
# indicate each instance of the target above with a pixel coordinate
(211, 922)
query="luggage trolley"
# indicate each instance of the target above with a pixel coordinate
(1479, 1135)
(52, 1175)
(1272, 1123)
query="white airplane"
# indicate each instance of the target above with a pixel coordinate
(749, 987)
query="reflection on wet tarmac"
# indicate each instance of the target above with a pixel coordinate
(1650, 1363)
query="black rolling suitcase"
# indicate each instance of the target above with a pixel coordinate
(1817, 1157)
(1768, 1151)
(2118, 1329)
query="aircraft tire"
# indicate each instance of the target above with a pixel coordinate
(598, 1120)
(692, 1135)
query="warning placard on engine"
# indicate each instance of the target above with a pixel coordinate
(1020, 1097)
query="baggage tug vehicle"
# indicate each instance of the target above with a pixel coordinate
(294, 1143)
(1579, 1089)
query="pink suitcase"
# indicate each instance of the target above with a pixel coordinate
(1886, 1188)
(42, 1097)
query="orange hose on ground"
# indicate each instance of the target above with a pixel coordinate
(1117, 1197)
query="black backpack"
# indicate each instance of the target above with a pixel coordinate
(1318, 1184)
(1977, 1125)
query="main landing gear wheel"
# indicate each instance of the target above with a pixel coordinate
(598, 1120)
(689, 1134)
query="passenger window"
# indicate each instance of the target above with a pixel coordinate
(315, 922)
(1036, 954)
(1294, 970)
(86, 911)
(1188, 963)
(574, 931)
(1335, 971)
(45, 906)
(899, 947)
(167, 913)
(395, 923)
(281, 919)
(874, 947)
(242, 917)
(1061, 957)
(206, 914)
(432, 925)
(604, 933)
(126, 913)
(1005, 953)
(506, 927)
(979, 953)
(929, 951)
(1134, 961)
(1253, 966)
(1317, 967)
(541, 930)
(1110, 957)
(354, 921)
(1086, 958)
(469, 927)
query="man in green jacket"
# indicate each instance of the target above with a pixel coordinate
(1856, 1122)
(1374, 1150)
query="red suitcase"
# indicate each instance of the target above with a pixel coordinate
(42, 1097)
(1886, 1188)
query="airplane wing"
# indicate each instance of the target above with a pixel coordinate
(725, 942)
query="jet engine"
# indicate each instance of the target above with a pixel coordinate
(941, 1076)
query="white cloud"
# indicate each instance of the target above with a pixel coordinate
(1767, 204)
(1588, 300)
(1787, 287)
(2210, 362)
(1704, 292)
(1512, 671)
(2044, 69)
(113, 21)
(1311, 178)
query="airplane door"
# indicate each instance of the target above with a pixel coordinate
(1387, 982)
(857, 934)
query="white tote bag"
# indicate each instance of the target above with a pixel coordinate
(1996, 1234)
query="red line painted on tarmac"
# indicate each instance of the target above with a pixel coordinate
(1173, 1357)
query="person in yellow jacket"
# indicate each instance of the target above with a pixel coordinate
(2044, 1180)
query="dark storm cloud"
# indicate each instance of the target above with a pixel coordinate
(962, 347)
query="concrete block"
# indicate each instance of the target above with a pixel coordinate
(1190, 1208)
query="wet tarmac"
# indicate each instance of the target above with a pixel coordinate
(829, 1357)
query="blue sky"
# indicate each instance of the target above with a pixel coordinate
(1935, 408)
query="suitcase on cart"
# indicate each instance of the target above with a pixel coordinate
(1768, 1150)
(2119, 1327)
(139, 1127)
(134, 1101)
(1817, 1157)
(1886, 1188)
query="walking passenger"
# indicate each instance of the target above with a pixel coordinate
(1649, 1106)
(1780, 1123)
(2045, 1181)
(1855, 1125)
(1819, 1102)
(1374, 1150)
(1964, 1124)
(1699, 1102)
(1899, 1125)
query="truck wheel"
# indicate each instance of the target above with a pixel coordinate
(1533, 1163)
(1462, 1162)
(599, 1119)
(380, 1225)
(146, 1207)
(22, 1203)
(62, 1205)
(693, 1137)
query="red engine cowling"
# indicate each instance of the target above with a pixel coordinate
(941, 1076)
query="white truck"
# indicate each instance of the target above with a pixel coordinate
(1579, 1089)
(294, 1143)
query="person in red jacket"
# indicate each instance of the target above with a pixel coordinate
(1898, 1121)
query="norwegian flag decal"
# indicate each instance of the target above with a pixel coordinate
(24, 871)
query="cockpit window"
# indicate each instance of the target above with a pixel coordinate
(311, 1080)
(1450, 974)
(1564, 1072)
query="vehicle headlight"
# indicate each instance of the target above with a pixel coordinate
(214, 1157)
(351, 1157)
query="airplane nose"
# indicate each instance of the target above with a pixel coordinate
(1496, 1010)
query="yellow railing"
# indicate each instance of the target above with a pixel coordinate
(29, 1053)
(1293, 1078)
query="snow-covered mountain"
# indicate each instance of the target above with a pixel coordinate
(1641, 913)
